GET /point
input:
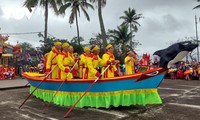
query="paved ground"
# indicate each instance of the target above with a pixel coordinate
(181, 101)
(12, 84)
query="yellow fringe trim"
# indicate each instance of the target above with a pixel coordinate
(139, 91)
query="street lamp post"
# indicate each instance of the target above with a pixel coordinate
(197, 38)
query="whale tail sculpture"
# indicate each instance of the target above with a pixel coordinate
(175, 53)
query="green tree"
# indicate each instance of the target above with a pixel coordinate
(74, 42)
(101, 3)
(121, 37)
(76, 6)
(44, 3)
(48, 43)
(27, 47)
(131, 19)
(198, 6)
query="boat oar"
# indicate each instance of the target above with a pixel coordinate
(37, 86)
(46, 108)
(67, 113)
(26, 84)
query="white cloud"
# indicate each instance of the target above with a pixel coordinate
(163, 22)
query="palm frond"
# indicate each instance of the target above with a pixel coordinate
(85, 13)
(30, 3)
(198, 6)
(63, 8)
(72, 15)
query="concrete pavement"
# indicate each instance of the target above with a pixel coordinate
(13, 83)
(181, 101)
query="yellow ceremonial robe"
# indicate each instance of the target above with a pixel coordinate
(130, 65)
(52, 62)
(93, 62)
(65, 62)
(110, 72)
(83, 69)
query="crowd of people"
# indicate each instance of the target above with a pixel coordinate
(62, 63)
(7, 72)
(67, 65)
(185, 70)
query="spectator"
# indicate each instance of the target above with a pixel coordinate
(1, 72)
(40, 67)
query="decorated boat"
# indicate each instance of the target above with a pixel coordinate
(137, 89)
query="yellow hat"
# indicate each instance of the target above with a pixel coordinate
(86, 49)
(108, 46)
(57, 43)
(129, 52)
(95, 48)
(65, 45)
(70, 46)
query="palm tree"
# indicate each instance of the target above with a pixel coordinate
(121, 37)
(76, 40)
(130, 18)
(54, 4)
(101, 3)
(75, 6)
(198, 6)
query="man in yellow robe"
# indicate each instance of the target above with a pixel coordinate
(83, 69)
(65, 62)
(107, 59)
(52, 60)
(129, 62)
(93, 62)
(71, 54)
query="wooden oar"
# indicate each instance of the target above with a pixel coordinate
(37, 86)
(46, 108)
(26, 84)
(67, 113)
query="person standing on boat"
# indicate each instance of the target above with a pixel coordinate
(71, 54)
(145, 60)
(52, 60)
(83, 69)
(93, 62)
(45, 61)
(65, 62)
(129, 62)
(109, 58)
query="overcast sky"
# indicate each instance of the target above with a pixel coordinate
(164, 22)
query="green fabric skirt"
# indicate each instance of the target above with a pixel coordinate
(100, 99)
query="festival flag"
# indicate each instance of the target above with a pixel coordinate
(39, 55)
(28, 57)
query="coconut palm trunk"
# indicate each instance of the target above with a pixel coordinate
(77, 28)
(102, 25)
(46, 20)
(131, 36)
